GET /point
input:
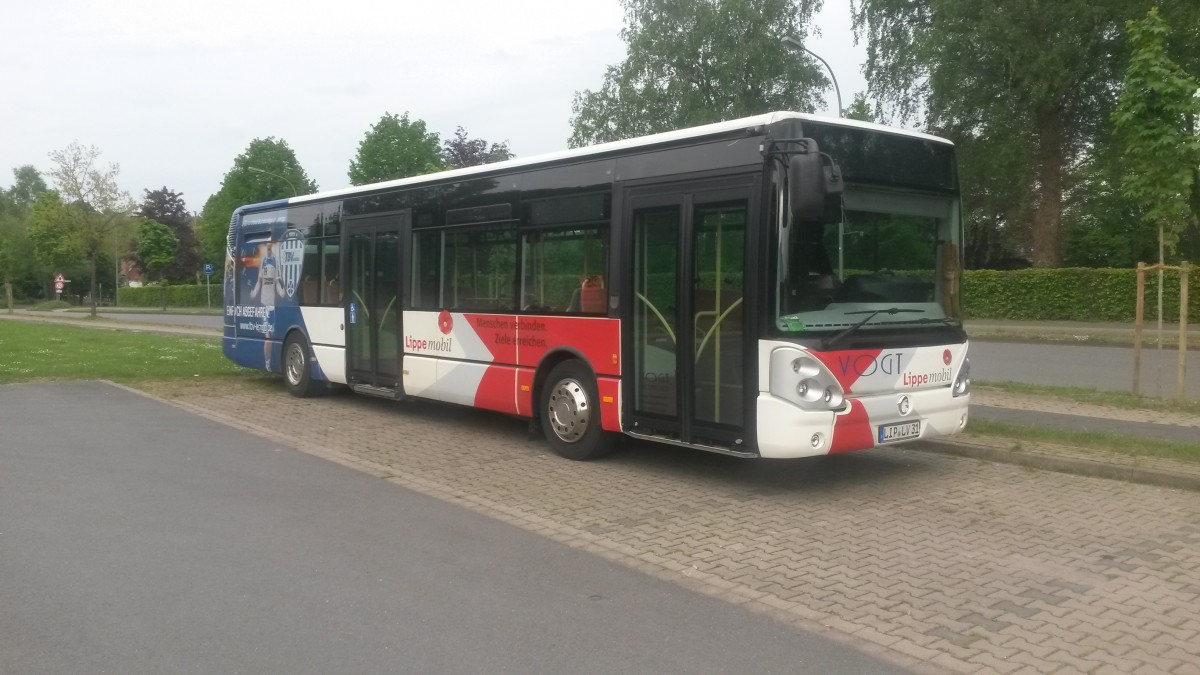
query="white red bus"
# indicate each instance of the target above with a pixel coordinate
(777, 286)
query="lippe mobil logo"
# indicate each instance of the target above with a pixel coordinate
(291, 261)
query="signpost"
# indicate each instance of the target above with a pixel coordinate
(59, 284)
(208, 283)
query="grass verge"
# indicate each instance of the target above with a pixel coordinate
(1125, 445)
(50, 305)
(40, 351)
(198, 311)
(1115, 399)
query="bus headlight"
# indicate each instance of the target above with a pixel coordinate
(805, 381)
(962, 383)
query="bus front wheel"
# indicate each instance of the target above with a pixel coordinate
(570, 413)
(297, 368)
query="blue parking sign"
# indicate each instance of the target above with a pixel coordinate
(208, 269)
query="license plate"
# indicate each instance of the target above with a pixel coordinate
(899, 432)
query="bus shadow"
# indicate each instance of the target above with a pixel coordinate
(869, 469)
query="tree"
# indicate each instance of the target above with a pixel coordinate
(52, 233)
(395, 147)
(861, 109)
(156, 250)
(8, 258)
(267, 170)
(1155, 121)
(1034, 81)
(90, 210)
(27, 185)
(692, 62)
(16, 251)
(167, 207)
(460, 152)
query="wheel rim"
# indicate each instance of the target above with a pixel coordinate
(569, 410)
(295, 364)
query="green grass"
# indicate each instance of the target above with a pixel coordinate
(39, 351)
(1115, 399)
(215, 311)
(1125, 445)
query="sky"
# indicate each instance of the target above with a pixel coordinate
(173, 92)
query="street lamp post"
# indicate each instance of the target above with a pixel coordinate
(255, 169)
(796, 46)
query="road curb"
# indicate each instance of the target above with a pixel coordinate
(1072, 465)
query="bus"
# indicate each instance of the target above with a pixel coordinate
(778, 286)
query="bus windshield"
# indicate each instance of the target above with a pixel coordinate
(890, 259)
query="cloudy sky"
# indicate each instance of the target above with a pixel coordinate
(174, 91)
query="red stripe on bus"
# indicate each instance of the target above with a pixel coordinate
(525, 340)
(498, 390)
(852, 431)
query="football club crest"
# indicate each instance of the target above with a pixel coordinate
(291, 261)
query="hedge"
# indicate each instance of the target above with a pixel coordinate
(177, 296)
(1071, 294)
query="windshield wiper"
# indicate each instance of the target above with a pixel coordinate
(827, 343)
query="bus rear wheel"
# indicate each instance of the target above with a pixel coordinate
(570, 413)
(297, 368)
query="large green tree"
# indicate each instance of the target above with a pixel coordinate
(27, 185)
(156, 247)
(18, 266)
(90, 212)
(54, 240)
(691, 62)
(1025, 87)
(267, 170)
(395, 147)
(1155, 122)
(167, 207)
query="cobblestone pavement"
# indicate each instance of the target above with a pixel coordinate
(942, 563)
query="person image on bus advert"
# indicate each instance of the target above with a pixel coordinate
(264, 291)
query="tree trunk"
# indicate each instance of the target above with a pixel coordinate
(8, 292)
(1047, 217)
(92, 294)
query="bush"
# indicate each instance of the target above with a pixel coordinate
(177, 296)
(1072, 294)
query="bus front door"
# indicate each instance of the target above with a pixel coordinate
(373, 263)
(688, 330)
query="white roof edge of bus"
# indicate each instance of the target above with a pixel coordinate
(628, 144)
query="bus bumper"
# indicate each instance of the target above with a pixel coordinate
(787, 431)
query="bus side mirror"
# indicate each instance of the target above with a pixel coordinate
(809, 182)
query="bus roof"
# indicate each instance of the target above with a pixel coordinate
(602, 148)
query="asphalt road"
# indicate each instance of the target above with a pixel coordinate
(135, 537)
(211, 321)
(1102, 368)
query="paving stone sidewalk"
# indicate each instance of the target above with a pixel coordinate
(941, 563)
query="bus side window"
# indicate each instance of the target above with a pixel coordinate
(310, 282)
(426, 269)
(331, 260)
(564, 270)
